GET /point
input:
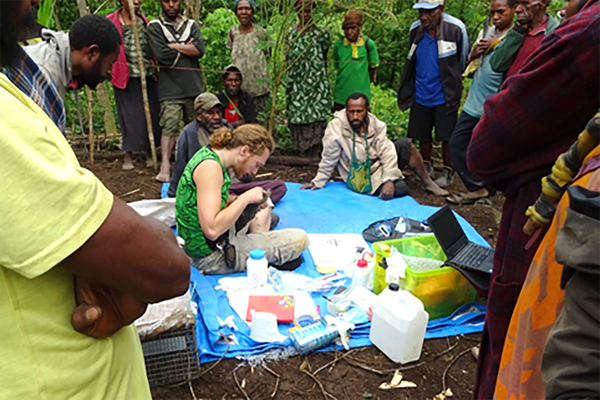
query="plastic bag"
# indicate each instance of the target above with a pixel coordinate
(289, 281)
(167, 315)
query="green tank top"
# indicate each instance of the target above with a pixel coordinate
(186, 205)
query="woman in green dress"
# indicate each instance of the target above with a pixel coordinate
(307, 83)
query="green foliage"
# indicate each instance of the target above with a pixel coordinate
(72, 120)
(384, 107)
(45, 17)
(386, 22)
(217, 56)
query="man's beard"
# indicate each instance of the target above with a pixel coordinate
(243, 178)
(356, 125)
(232, 92)
(93, 77)
(209, 127)
(11, 30)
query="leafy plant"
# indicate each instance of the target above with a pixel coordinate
(384, 107)
(217, 56)
(45, 15)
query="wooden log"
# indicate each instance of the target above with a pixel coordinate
(292, 160)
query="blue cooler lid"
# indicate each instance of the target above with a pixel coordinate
(257, 254)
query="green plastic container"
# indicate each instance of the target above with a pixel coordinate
(441, 290)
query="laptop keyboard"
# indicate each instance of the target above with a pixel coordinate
(472, 255)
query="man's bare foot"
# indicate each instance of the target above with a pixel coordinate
(165, 173)
(127, 162)
(431, 187)
(480, 196)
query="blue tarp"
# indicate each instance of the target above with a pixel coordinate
(334, 209)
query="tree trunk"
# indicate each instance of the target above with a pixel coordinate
(91, 127)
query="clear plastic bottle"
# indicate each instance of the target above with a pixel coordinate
(257, 268)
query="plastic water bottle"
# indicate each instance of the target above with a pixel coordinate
(257, 267)
(312, 337)
(398, 325)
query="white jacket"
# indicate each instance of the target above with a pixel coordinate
(337, 151)
(53, 56)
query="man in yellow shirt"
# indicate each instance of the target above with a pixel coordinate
(77, 265)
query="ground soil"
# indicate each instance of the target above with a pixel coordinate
(355, 374)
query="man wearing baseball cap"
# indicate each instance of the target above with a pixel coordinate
(239, 107)
(196, 134)
(432, 83)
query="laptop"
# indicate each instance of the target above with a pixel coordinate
(474, 261)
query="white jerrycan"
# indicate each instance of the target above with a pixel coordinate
(398, 325)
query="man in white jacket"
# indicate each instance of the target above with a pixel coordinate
(85, 55)
(377, 157)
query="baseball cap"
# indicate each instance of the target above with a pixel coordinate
(231, 68)
(206, 101)
(428, 4)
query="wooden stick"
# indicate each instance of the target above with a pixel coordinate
(239, 386)
(276, 382)
(325, 394)
(138, 49)
(91, 126)
(449, 365)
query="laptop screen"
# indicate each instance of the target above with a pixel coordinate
(447, 231)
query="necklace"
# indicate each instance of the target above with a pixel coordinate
(224, 163)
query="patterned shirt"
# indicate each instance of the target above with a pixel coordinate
(250, 60)
(131, 51)
(307, 83)
(29, 79)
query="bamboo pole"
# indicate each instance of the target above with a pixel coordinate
(138, 49)
(91, 127)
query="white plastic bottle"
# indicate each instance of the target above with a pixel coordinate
(399, 324)
(257, 268)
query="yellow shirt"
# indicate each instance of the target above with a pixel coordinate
(49, 207)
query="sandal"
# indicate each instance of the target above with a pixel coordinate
(461, 199)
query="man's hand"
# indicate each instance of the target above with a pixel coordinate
(530, 227)
(310, 186)
(481, 46)
(101, 311)
(387, 191)
(254, 195)
(187, 49)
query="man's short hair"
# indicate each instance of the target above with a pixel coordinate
(358, 95)
(95, 29)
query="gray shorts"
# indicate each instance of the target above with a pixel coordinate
(279, 246)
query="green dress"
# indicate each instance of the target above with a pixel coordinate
(307, 83)
(186, 205)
